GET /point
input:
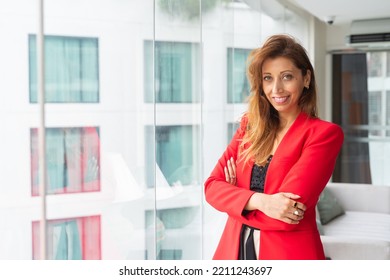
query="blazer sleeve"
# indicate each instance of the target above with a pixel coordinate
(220, 194)
(308, 176)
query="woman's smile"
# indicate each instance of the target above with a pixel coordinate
(281, 100)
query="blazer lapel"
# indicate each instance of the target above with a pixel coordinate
(285, 155)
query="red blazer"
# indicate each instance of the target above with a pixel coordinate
(302, 164)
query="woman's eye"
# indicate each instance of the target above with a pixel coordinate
(287, 77)
(267, 78)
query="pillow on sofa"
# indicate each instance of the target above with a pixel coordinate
(328, 207)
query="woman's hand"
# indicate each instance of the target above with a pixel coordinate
(280, 206)
(230, 171)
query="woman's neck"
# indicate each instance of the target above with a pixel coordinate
(286, 120)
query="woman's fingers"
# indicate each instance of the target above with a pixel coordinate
(292, 217)
(291, 195)
(227, 175)
(230, 171)
(295, 204)
(232, 168)
(296, 207)
(283, 207)
(296, 210)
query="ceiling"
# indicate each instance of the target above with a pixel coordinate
(345, 11)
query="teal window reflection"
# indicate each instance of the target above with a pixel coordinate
(238, 86)
(71, 69)
(177, 153)
(176, 72)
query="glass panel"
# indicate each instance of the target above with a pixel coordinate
(374, 111)
(379, 129)
(354, 157)
(217, 38)
(387, 113)
(364, 116)
(72, 69)
(99, 68)
(374, 63)
(388, 64)
(177, 63)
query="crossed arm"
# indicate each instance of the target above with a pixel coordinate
(304, 182)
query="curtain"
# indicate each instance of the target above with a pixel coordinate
(57, 173)
(72, 160)
(66, 244)
(350, 110)
(71, 69)
(177, 78)
(91, 238)
(70, 239)
(238, 84)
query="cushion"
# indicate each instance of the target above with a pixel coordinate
(328, 207)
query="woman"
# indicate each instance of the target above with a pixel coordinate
(280, 136)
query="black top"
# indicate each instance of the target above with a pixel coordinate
(258, 176)
(257, 184)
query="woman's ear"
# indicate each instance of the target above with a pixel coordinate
(307, 79)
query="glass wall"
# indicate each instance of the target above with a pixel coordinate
(141, 98)
(361, 105)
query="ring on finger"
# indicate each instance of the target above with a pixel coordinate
(295, 204)
(296, 212)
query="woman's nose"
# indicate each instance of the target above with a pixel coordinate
(277, 86)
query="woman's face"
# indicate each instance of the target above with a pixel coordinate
(283, 84)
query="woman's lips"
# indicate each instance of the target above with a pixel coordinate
(280, 100)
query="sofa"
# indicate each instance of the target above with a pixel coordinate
(354, 221)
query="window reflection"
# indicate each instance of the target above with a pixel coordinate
(177, 152)
(72, 160)
(232, 128)
(176, 73)
(238, 84)
(71, 67)
(70, 239)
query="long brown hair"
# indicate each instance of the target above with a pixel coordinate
(263, 119)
